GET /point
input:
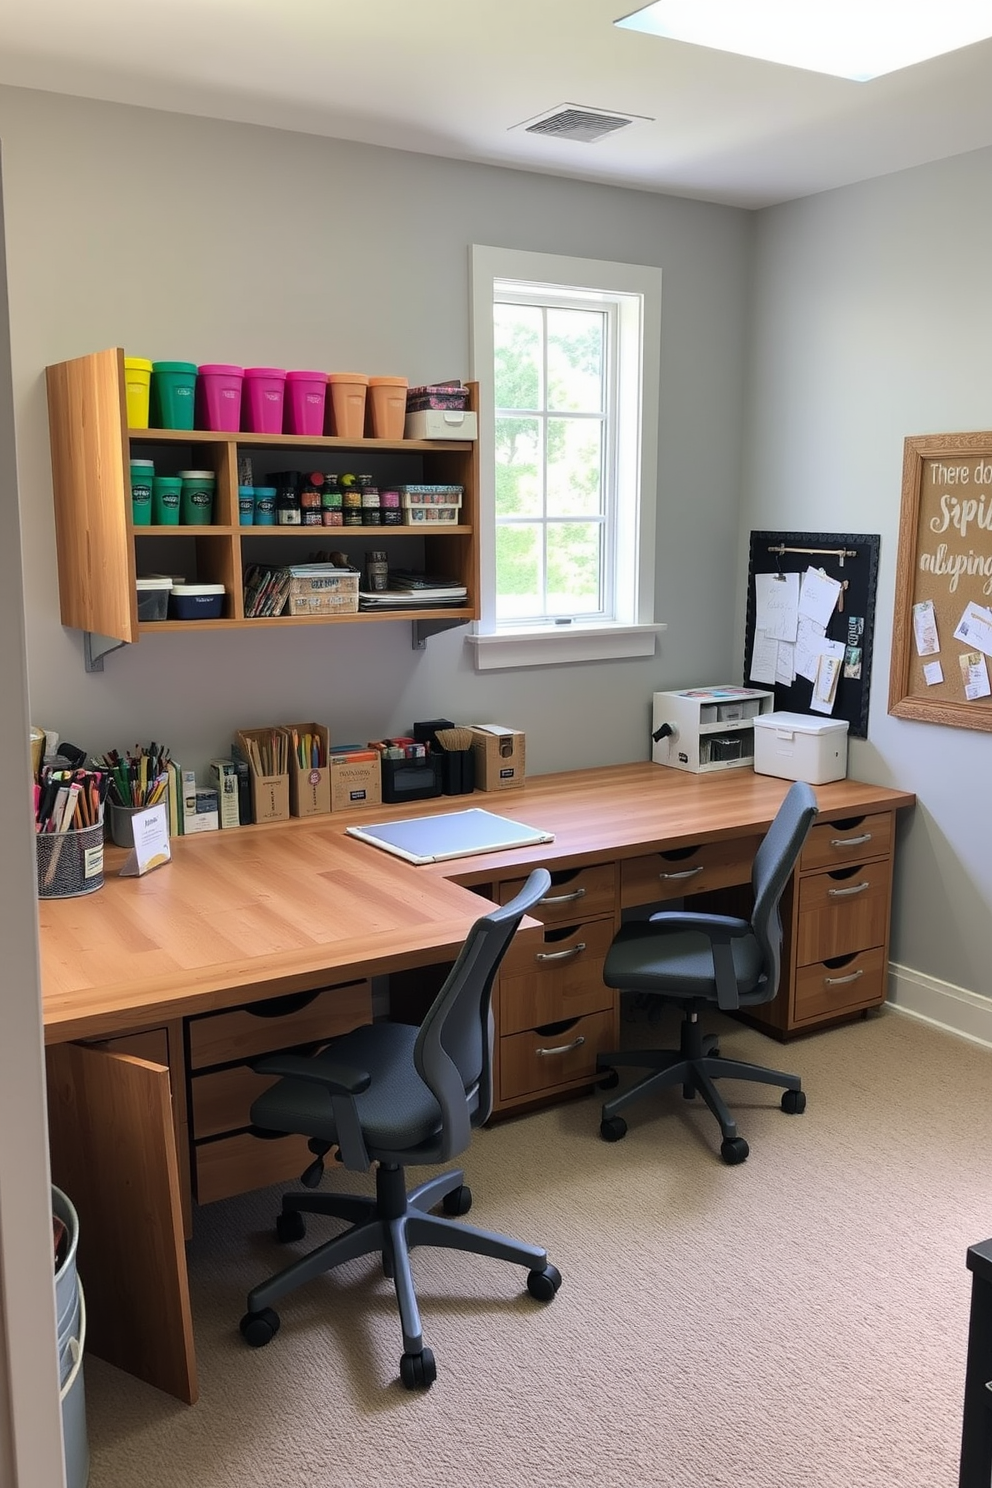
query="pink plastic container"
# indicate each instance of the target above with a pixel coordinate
(218, 397)
(306, 395)
(262, 400)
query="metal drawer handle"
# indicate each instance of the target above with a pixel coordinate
(842, 981)
(845, 893)
(560, 955)
(563, 898)
(850, 841)
(686, 873)
(563, 1048)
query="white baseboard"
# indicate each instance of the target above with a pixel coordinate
(940, 1003)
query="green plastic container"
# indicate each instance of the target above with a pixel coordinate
(166, 496)
(196, 505)
(173, 395)
(142, 474)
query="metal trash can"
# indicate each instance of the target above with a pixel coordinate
(70, 1308)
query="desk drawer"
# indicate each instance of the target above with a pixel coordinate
(822, 990)
(221, 1100)
(560, 975)
(847, 840)
(574, 892)
(236, 1164)
(533, 1062)
(278, 1023)
(843, 911)
(687, 870)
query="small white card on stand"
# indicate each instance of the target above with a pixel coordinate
(151, 841)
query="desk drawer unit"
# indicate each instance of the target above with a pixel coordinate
(559, 1055)
(553, 1009)
(227, 1158)
(574, 894)
(852, 839)
(679, 871)
(829, 988)
(560, 975)
(842, 911)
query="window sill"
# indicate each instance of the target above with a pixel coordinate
(563, 645)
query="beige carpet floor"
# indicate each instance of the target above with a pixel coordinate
(800, 1319)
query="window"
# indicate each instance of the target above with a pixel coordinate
(566, 354)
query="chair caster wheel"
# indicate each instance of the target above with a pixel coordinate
(290, 1225)
(544, 1284)
(418, 1371)
(458, 1201)
(259, 1328)
(609, 1081)
(612, 1128)
(794, 1102)
(734, 1150)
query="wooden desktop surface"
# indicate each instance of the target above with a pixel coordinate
(242, 915)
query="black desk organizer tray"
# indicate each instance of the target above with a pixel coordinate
(411, 779)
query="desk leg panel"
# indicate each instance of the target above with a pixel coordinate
(113, 1152)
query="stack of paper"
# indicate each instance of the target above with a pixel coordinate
(792, 612)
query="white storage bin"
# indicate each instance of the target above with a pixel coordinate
(800, 746)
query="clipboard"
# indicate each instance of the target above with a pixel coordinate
(453, 834)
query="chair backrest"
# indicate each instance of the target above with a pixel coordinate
(773, 865)
(453, 1052)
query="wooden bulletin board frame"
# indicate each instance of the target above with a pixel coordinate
(945, 561)
(852, 559)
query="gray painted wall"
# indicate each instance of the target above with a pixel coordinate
(183, 237)
(872, 320)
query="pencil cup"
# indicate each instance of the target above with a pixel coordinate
(120, 819)
(69, 863)
(458, 772)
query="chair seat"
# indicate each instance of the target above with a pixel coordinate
(679, 964)
(397, 1111)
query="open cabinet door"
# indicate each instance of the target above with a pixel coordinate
(113, 1152)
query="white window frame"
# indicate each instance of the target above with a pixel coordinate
(633, 632)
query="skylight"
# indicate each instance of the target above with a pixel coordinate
(857, 39)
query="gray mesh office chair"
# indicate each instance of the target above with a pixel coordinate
(698, 961)
(394, 1095)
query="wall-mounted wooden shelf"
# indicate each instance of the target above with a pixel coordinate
(101, 552)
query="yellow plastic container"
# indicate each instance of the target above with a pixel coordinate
(137, 384)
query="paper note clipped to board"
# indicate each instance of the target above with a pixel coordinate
(776, 605)
(818, 596)
(830, 661)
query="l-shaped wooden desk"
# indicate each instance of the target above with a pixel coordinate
(158, 990)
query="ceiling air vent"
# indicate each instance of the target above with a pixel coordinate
(570, 122)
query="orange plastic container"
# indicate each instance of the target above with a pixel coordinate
(387, 406)
(346, 404)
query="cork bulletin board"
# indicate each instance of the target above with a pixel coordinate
(942, 623)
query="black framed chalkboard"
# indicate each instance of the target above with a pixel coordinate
(851, 559)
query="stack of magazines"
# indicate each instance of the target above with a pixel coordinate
(266, 591)
(409, 590)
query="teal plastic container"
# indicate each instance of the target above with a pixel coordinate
(265, 506)
(173, 395)
(246, 506)
(142, 475)
(166, 494)
(196, 503)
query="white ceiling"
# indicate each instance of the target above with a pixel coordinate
(457, 80)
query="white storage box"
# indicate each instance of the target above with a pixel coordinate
(441, 423)
(800, 746)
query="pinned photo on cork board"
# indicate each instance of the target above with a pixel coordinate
(942, 620)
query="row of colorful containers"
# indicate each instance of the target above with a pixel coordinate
(262, 400)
